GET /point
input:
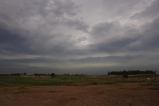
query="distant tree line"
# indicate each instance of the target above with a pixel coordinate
(25, 74)
(14, 74)
(132, 72)
(38, 74)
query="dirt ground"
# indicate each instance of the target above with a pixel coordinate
(95, 95)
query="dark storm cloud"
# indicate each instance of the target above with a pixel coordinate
(103, 29)
(53, 22)
(115, 45)
(148, 39)
(12, 42)
(72, 35)
(113, 37)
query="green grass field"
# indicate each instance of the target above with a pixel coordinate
(73, 80)
(47, 80)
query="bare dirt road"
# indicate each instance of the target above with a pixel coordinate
(96, 95)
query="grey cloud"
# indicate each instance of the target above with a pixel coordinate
(115, 45)
(103, 29)
(111, 37)
(10, 41)
(115, 59)
(79, 25)
(56, 34)
(149, 39)
(122, 8)
(53, 22)
(149, 13)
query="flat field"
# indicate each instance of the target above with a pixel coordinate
(78, 90)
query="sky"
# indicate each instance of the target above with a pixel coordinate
(78, 36)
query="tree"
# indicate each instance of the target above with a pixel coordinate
(52, 75)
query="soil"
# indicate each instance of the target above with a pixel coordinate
(96, 95)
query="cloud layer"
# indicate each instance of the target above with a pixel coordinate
(90, 36)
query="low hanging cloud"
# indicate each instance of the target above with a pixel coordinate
(52, 22)
(78, 36)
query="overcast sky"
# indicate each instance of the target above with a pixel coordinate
(78, 36)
